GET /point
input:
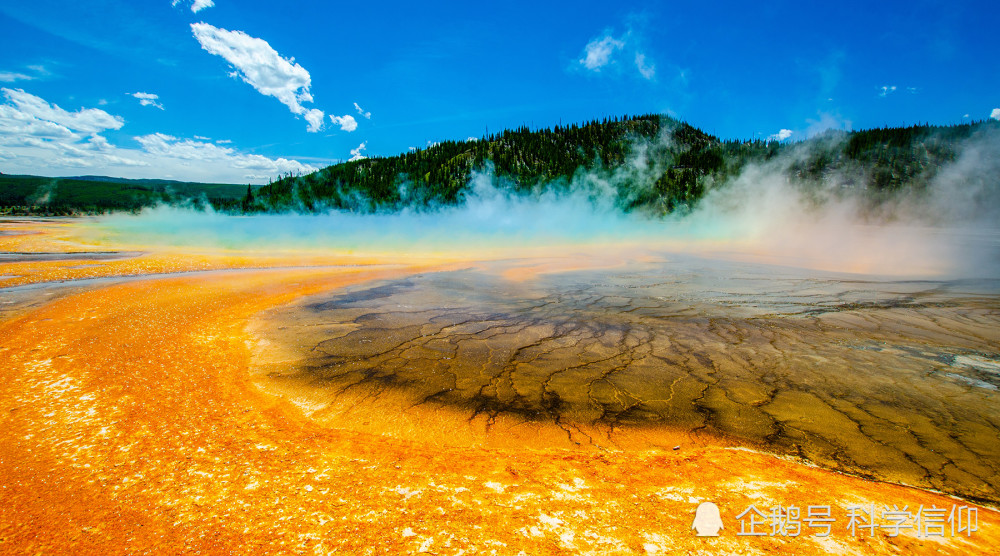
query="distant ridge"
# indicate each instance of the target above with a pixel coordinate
(39, 195)
(143, 181)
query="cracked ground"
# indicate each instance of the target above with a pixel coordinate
(892, 380)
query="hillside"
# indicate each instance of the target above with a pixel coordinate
(654, 163)
(95, 194)
(545, 158)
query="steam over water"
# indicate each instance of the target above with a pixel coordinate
(758, 218)
(946, 227)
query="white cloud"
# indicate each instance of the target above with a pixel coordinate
(13, 127)
(598, 52)
(199, 5)
(262, 68)
(41, 137)
(966, 116)
(34, 112)
(602, 53)
(315, 119)
(356, 153)
(346, 122)
(471, 138)
(148, 99)
(886, 90)
(202, 138)
(196, 5)
(166, 146)
(10, 77)
(995, 114)
(640, 63)
(223, 141)
(361, 111)
(780, 136)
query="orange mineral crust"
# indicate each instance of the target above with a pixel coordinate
(129, 424)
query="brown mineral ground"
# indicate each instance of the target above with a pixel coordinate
(143, 412)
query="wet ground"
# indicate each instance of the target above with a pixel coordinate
(889, 379)
(182, 402)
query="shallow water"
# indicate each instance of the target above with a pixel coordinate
(892, 379)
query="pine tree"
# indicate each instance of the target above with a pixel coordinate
(248, 200)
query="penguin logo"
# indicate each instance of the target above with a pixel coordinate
(707, 520)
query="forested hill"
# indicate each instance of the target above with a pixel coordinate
(45, 196)
(522, 158)
(654, 163)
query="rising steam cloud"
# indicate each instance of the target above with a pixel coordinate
(945, 230)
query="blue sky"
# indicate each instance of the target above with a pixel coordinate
(239, 91)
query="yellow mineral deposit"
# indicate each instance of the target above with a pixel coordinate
(161, 401)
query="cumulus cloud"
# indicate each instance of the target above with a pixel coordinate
(260, 66)
(598, 52)
(780, 136)
(29, 110)
(42, 135)
(166, 146)
(647, 71)
(315, 118)
(886, 90)
(995, 114)
(346, 122)
(356, 153)
(361, 111)
(36, 134)
(196, 5)
(148, 99)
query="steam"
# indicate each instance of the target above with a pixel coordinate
(492, 220)
(948, 229)
(43, 194)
